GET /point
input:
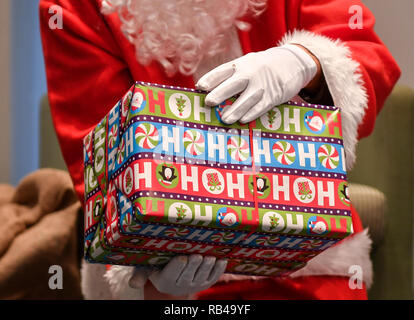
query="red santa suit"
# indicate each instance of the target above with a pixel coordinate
(90, 65)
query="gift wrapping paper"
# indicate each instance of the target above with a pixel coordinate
(164, 176)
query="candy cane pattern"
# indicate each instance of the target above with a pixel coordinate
(328, 156)
(238, 148)
(121, 151)
(284, 152)
(112, 136)
(223, 236)
(310, 244)
(146, 136)
(194, 142)
(267, 241)
(177, 232)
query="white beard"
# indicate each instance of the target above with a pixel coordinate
(180, 34)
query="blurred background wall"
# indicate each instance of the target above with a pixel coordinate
(22, 88)
(4, 90)
(28, 84)
(395, 26)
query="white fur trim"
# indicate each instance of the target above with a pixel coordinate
(98, 283)
(344, 81)
(335, 261)
(118, 279)
(93, 284)
(338, 259)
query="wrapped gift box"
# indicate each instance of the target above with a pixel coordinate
(164, 176)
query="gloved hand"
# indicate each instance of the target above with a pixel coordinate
(183, 275)
(265, 79)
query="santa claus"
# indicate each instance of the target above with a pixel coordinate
(269, 52)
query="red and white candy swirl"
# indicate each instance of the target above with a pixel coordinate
(238, 148)
(112, 136)
(310, 244)
(267, 241)
(177, 232)
(222, 237)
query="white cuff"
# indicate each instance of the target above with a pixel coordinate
(93, 284)
(339, 260)
(118, 278)
(344, 81)
(98, 283)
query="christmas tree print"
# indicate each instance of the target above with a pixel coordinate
(128, 182)
(181, 213)
(99, 158)
(88, 139)
(304, 190)
(213, 181)
(180, 104)
(271, 115)
(273, 222)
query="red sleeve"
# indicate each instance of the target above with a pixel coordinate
(85, 75)
(379, 69)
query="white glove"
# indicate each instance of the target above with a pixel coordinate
(183, 275)
(265, 79)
